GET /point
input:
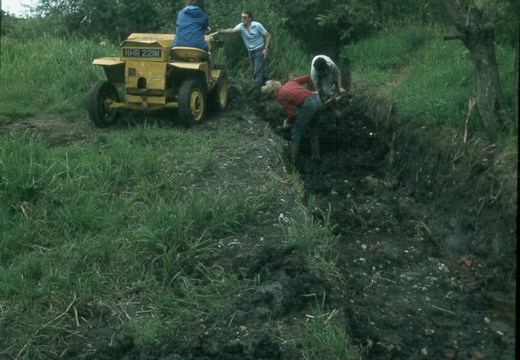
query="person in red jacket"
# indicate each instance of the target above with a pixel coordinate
(293, 94)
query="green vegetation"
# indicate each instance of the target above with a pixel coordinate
(430, 81)
(118, 215)
(48, 76)
(326, 339)
(310, 233)
(81, 228)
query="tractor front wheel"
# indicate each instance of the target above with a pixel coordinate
(192, 103)
(218, 96)
(101, 96)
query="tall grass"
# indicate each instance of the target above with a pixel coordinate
(324, 338)
(437, 97)
(379, 59)
(311, 233)
(48, 75)
(429, 80)
(284, 64)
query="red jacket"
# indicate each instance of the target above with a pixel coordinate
(294, 94)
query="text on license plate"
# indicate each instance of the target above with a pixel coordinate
(142, 53)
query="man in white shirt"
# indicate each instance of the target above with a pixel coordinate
(323, 73)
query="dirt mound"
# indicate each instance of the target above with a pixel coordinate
(263, 349)
(286, 276)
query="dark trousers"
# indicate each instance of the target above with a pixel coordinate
(309, 115)
(257, 60)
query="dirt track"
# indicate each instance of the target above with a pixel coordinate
(427, 251)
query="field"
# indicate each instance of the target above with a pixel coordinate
(399, 244)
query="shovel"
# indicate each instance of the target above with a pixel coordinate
(333, 104)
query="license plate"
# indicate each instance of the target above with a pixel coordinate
(142, 53)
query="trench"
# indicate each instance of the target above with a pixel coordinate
(415, 208)
(464, 191)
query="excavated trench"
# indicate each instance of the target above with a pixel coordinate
(427, 232)
(466, 192)
(426, 252)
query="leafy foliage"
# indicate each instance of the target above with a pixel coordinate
(356, 19)
(110, 19)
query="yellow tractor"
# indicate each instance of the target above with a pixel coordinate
(152, 75)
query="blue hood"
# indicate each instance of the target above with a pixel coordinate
(192, 21)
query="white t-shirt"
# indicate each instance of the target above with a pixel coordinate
(333, 69)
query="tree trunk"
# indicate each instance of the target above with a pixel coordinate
(515, 85)
(482, 50)
(478, 36)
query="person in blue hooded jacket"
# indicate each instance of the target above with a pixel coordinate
(192, 21)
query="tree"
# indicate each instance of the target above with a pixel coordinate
(114, 19)
(476, 29)
(515, 84)
(515, 6)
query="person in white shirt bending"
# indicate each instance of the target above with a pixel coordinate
(324, 73)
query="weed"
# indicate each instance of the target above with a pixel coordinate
(323, 338)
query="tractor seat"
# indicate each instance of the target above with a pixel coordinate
(183, 53)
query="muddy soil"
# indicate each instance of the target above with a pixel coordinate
(426, 258)
(427, 234)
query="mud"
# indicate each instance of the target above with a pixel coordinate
(426, 222)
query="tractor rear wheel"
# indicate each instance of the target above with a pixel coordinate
(192, 103)
(101, 96)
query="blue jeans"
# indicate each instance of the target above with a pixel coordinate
(308, 116)
(257, 60)
(323, 86)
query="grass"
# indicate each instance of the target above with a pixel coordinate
(309, 233)
(113, 216)
(48, 76)
(379, 59)
(112, 230)
(327, 340)
(429, 80)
